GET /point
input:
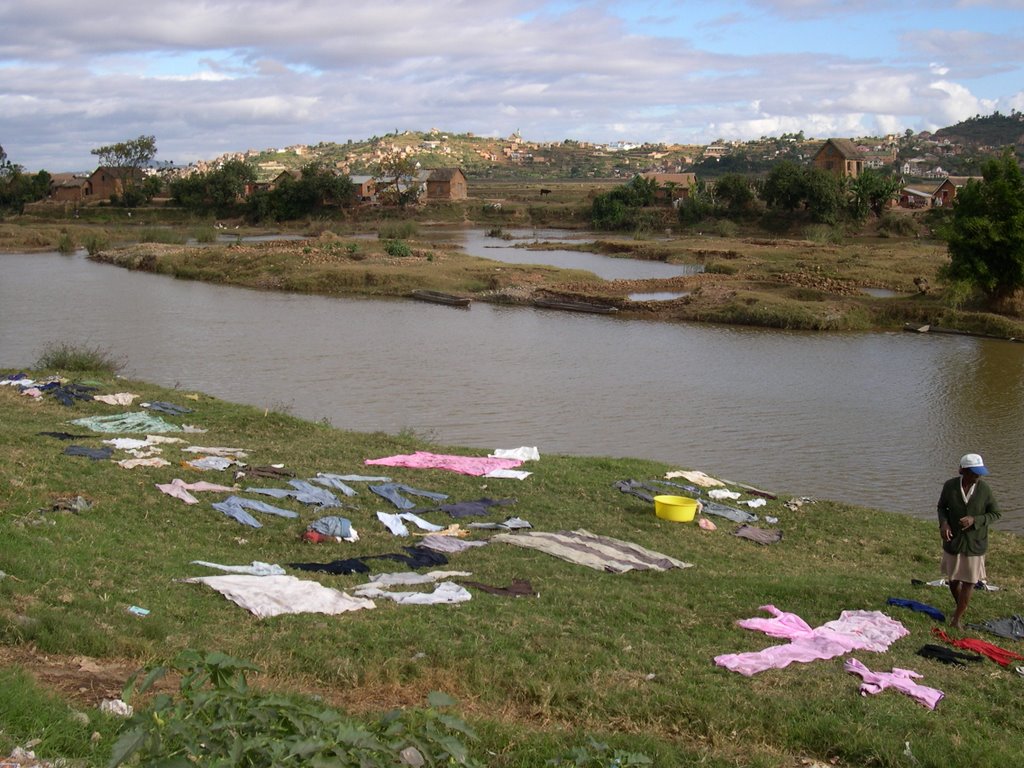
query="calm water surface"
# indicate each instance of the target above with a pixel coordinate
(874, 419)
(476, 242)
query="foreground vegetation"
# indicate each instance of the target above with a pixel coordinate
(595, 662)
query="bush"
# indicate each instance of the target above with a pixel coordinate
(219, 720)
(824, 234)
(397, 230)
(65, 243)
(64, 356)
(95, 243)
(397, 248)
(896, 225)
(724, 228)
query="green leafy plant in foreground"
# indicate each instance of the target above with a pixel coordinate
(599, 755)
(219, 720)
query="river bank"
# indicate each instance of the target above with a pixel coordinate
(822, 281)
(626, 658)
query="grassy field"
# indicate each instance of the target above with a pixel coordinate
(626, 659)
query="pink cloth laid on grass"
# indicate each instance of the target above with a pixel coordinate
(467, 465)
(852, 631)
(179, 489)
(901, 680)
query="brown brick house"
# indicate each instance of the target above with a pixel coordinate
(69, 187)
(446, 184)
(106, 182)
(678, 186)
(841, 157)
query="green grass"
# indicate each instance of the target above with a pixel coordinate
(68, 357)
(623, 659)
(28, 713)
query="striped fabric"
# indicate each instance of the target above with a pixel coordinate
(601, 553)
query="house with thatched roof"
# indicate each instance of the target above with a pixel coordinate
(841, 157)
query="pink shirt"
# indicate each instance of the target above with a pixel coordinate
(853, 630)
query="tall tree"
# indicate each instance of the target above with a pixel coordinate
(126, 159)
(872, 191)
(396, 180)
(786, 186)
(985, 235)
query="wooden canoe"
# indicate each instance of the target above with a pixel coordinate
(575, 306)
(436, 297)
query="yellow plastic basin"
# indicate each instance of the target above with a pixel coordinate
(678, 509)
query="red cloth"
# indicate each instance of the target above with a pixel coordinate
(998, 655)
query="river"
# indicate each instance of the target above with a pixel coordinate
(878, 419)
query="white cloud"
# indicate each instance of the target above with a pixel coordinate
(224, 75)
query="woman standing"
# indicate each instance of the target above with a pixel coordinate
(966, 508)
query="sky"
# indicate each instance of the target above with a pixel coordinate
(206, 77)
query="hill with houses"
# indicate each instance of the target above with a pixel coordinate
(958, 150)
(923, 160)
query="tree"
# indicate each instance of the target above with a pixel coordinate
(823, 195)
(218, 190)
(315, 187)
(618, 208)
(17, 187)
(396, 180)
(733, 190)
(872, 191)
(985, 235)
(785, 187)
(126, 159)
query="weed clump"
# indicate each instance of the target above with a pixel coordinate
(65, 356)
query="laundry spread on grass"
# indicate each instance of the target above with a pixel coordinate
(267, 596)
(902, 680)
(466, 465)
(470, 508)
(696, 477)
(300, 490)
(758, 535)
(602, 553)
(392, 492)
(256, 568)
(446, 592)
(852, 631)
(236, 507)
(1010, 627)
(179, 489)
(412, 557)
(394, 523)
(948, 655)
(914, 605)
(451, 545)
(999, 655)
(135, 421)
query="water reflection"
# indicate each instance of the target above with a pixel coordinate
(658, 296)
(477, 243)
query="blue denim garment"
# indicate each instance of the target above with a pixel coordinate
(729, 513)
(241, 502)
(169, 408)
(302, 491)
(332, 481)
(332, 526)
(394, 523)
(234, 511)
(390, 491)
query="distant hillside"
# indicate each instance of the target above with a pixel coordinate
(993, 131)
(479, 157)
(957, 150)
